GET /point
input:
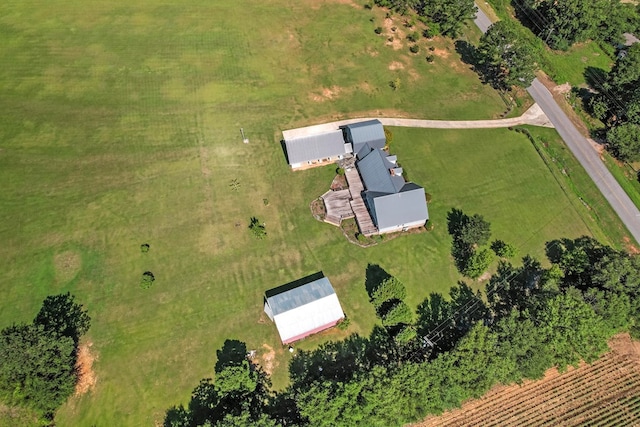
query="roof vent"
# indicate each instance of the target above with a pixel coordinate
(396, 171)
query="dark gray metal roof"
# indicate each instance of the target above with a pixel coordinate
(315, 147)
(404, 207)
(375, 172)
(285, 298)
(370, 132)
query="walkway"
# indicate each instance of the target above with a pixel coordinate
(586, 154)
(363, 218)
(533, 116)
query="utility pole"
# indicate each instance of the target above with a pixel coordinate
(244, 138)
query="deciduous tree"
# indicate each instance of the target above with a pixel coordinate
(504, 58)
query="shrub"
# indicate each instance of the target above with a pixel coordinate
(388, 135)
(147, 280)
(390, 289)
(144, 248)
(430, 58)
(361, 237)
(378, 30)
(344, 323)
(399, 313)
(258, 230)
(502, 249)
(407, 334)
(477, 263)
(340, 171)
(415, 48)
(413, 37)
(395, 83)
(428, 197)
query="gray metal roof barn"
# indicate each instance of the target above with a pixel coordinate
(303, 307)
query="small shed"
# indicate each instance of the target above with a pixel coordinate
(304, 307)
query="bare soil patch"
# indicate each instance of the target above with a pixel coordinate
(326, 94)
(562, 89)
(630, 246)
(84, 365)
(442, 53)
(396, 65)
(267, 358)
(393, 33)
(603, 393)
(67, 265)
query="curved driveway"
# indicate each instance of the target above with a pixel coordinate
(588, 157)
(533, 116)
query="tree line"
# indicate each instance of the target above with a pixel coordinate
(529, 319)
(38, 359)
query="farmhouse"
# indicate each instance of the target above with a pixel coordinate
(394, 204)
(303, 307)
(381, 199)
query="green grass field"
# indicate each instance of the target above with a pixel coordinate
(119, 125)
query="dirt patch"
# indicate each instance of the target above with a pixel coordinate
(394, 34)
(630, 246)
(67, 265)
(442, 53)
(562, 89)
(267, 358)
(486, 276)
(396, 65)
(326, 94)
(84, 366)
(339, 183)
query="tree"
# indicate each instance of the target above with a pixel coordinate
(37, 368)
(475, 231)
(239, 396)
(450, 15)
(502, 249)
(624, 142)
(399, 313)
(618, 101)
(504, 58)
(61, 316)
(258, 230)
(477, 263)
(389, 289)
(563, 23)
(572, 329)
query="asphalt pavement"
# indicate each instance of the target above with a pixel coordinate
(588, 157)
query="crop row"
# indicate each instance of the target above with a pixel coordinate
(603, 391)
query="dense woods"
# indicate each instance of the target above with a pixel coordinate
(533, 318)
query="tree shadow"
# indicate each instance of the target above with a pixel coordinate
(554, 249)
(456, 220)
(373, 277)
(232, 353)
(333, 361)
(524, 14)
(468, 53)
(595, 77)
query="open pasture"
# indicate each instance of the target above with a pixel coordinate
(119, 125)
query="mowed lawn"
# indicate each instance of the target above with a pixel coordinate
(119, 125)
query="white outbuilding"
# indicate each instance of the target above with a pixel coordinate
(303, 307)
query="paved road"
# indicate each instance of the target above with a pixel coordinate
(533, 116)
(588, 157)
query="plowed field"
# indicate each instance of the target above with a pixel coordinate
(605, 393)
